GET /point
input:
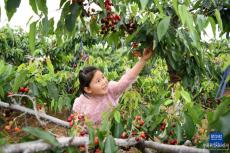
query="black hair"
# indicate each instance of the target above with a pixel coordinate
(85, 77)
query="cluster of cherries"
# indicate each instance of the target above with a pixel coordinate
(21, 89)
(76, 118)
(24, 89)
(130, 27)
(134, 48)
(170, 133)
(111, 19)
(77, 122)
(138, 123)
(9, 127)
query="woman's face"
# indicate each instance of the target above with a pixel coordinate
(98, 85)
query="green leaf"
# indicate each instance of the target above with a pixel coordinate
(213, 25)
(19, 80)
(188, 126)
(144, 3)
(11, 6)
(110, 146)
(168, 102)
(117, 129)
(42, 6)
(51, 26)
(186, 17)
(113, 38)
(50, 66)
(94, 27)
(225, 120)
(186, 96)
(1, 91)
(175, 6)
(179, 133)
(70, 18)
(219, 20)
(182, 10)
(91, 135)
(42, 135)
(45, 25)
(53, 90)
(196, 112)
(201, 21)
(162, 27)
(221, 109)
(34, 89)
(32, 35)
(33, 4)
(61, 3)
(101, 135)
(117, 116)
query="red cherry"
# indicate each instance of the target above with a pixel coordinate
(82, 133)
(71, 123)
(137, 139)
(171, 132)
(136, 53)
(124, 135)
(96, 141)
(137, 117)
(134, 133)
(143, 135)
(117, 17)
(17, 129)
(26, 89)
(141, 122)
(21, 89)
(10, 94)
(69, 119)
(173, 142)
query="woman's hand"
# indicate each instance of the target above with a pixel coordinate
(148, 52)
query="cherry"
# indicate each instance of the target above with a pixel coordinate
(141, 122)
(171, 132)
(173, 142)
(98, 150)
(17, 129)
(134, 133)
(96, 141)
(69, 119)
(10, 94)
(7, 127)
(142, 135)
(136, 53)
(82, 133)
(137, 117)
(124, 135)
(137, 139)
(71, 123)
(23, 89)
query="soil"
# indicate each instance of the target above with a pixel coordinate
(20, 120)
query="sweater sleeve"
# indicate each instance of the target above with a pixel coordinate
(118, 87)
(76, 106)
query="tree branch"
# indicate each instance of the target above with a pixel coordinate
(41, 145)
(173, 148)
(30, 111)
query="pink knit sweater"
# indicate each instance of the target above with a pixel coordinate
(93, 107)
